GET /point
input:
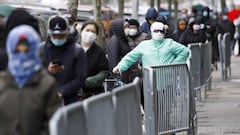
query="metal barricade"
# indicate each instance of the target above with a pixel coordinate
(195, 68)
(111, 113)
(169, 100)
(127, 109)
(68, 120)
(224, 45)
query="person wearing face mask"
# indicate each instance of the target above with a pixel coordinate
(224, 25)
(28, 93)
(181, 27)
(156, 51)
(98, 69)
(150, 17)
(59, 58)
(193, 34)
(118, 47)
(135, 34)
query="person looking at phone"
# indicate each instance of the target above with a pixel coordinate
(59, 58)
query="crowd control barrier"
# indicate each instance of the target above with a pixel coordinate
(200, 68)
(169, 100)
(224, 45)
(112, 113)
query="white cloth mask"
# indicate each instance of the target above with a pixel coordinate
(88, 37)
(132, 32)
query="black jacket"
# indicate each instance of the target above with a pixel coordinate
(189, 37)
(75, 69)
(118, 45)
(97, 62)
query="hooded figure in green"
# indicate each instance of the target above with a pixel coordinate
(156, 51)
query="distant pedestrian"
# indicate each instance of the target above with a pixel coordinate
(181, 27)
(64, 59)
(28, 94)
(150, 17)
(98, 68)
(135, 34)
(118, 46)
(194, 34)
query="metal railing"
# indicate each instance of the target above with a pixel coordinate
(112, 113)
(200, 68)
(224, 45)
(169, 99)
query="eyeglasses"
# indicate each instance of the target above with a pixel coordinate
(157, 31)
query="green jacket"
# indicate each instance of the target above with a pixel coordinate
(154, 53)
(28, 109)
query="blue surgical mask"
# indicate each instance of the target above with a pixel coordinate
(205, 13)
(58, 42)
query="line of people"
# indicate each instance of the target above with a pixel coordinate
(70, 66)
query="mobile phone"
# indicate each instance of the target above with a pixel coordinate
(57, 62)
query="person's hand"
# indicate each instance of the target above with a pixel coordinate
(55, 68)
(115, 70)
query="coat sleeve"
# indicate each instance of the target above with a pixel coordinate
(80, 71)
(181, 52)
(51, 105)
(130, 58)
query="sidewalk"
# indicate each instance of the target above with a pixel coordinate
(219, 114)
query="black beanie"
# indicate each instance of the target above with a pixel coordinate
(133, 22)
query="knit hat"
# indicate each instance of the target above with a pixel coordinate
(133, 22)
(5, 10)
(58, 25)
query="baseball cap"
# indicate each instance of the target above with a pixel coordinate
(58, 25)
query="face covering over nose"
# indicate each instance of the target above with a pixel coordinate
(157, 29)
(88, 37)
(196, 27)
(23, 66)
(132, 32)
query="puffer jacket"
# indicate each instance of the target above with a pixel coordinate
(155, 53)
(28, 109)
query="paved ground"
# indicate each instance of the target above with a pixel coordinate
(219, 114)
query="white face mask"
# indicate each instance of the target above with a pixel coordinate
(196, 27)
(88, 37)
(132, 32)
(157, 36)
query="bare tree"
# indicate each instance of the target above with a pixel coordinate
(223, 5)
(120, 8)
(73, 7)
(98, 18)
